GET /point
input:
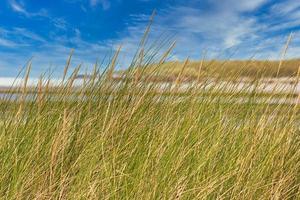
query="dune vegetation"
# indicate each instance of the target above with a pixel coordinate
(135, 139)
(227, 69)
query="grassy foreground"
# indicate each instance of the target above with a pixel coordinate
(113, 139)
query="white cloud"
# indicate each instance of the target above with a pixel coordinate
(28, 34)
(20, 8)
(50, 53)
(286, 7)
(7, 43)
(59, 23)
(227, 30)
(219, 29)
(242, 5)
(104, 3)
(17, 7)
(19, 37)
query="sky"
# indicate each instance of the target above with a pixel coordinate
(45, 32)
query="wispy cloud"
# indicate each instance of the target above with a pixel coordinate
(47, 53)
(57, 22)
(104, 3)
(286, 7)
(226, 28)
(222, 29)
(7, 43)
(60, 23)
(20, 8)
(20, 36)
(17, 7)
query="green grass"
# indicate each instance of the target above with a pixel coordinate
(124, 140)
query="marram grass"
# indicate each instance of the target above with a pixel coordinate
(110, 139)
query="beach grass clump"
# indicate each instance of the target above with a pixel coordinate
(135, 139)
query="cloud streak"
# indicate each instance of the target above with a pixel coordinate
(19, 8)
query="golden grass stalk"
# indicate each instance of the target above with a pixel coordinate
(180, 74)
(284, 53)
(24, 91)
(112, 66)
(67, 66)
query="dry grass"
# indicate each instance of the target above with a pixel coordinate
(124, 140)
(224, 69)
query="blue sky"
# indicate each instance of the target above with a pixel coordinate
(48, 30)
